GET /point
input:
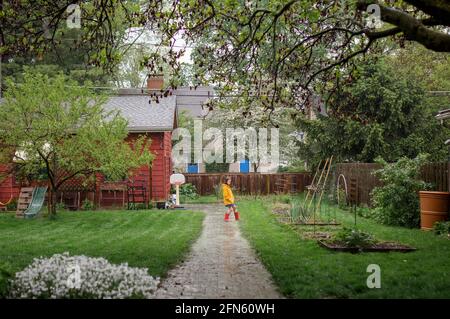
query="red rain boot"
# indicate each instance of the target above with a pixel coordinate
(236, 215)
(227, 217)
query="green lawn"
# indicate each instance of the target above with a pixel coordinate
(302, 269)
(153, 239)
(206, 199)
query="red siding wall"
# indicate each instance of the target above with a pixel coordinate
(158, 191)
(5, 185)
(168, 159)
(156, 178)
(162, 165)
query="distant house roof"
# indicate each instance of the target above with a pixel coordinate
(143, 114)
(191, 100)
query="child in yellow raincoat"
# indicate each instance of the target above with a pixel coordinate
(228, 200)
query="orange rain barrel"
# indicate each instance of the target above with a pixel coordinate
(434, 207)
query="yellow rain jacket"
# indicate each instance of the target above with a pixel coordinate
(228, 197)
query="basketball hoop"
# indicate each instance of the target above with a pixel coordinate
(177, 180)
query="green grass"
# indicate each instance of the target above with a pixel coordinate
(153, 239)
(302, 269)
(206, 199)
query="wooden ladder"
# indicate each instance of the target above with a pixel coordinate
(25, 197)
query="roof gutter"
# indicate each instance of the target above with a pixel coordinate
(145, 129)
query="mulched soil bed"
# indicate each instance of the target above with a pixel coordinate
(284, 220)
(377, 247)
(282, 213)
(281, 209)
(315, 235)
(318, 223)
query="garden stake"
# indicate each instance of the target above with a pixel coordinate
(312, 183)
(314, 217)
(318, 184)
(325, 181)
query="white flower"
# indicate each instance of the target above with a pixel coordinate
(55, 278)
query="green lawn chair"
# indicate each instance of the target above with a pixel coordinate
(37, 200)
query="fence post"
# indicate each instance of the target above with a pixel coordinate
(251, 184)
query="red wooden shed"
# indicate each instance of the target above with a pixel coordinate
(155, 120)
(145, 117)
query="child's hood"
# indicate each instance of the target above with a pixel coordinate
(226, 185)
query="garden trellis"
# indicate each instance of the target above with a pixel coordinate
(310, 210)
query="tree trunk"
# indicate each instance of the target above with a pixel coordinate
(52, 199)
(54, 188)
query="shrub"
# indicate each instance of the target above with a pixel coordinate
(55, 277)
(60, 206)
(87, 205)
(217, 167)
(188, 191)
(138, 206)
(297, 166)
(354, 238)
(5, 275)
(218, 191)
(284, 199)
(397, 201)
(442, 228)
(363, 211)
(12, 205)
(341, 198)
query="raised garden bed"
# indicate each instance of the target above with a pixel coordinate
(316, 235)
(281, 209)
(284, 220)
(376, 247)
(317, 223)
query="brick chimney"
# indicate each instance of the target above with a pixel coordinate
(155, 82)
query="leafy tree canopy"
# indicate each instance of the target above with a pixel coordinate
(281, 51)
(250, 114)
(382, 113)
(54, 125)
(278, 50)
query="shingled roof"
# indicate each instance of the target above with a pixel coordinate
(144, 115)
(191, 100)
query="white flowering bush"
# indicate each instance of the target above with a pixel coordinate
(65, 276)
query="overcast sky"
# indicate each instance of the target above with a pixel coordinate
(149, 39)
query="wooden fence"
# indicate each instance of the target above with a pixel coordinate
(361, 181)
(251, 183)
(437, 174)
